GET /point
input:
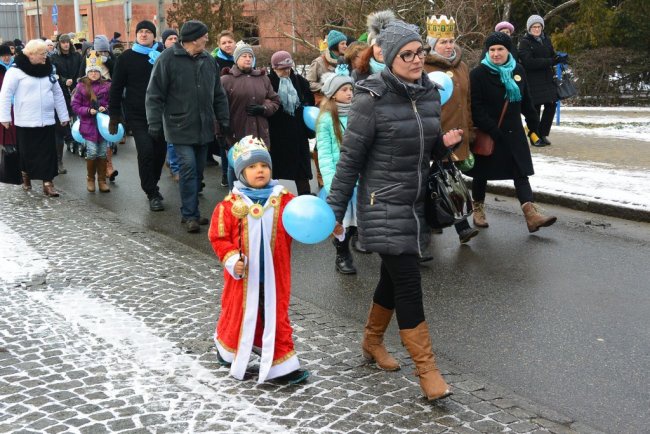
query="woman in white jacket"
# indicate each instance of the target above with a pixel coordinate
(33, 89)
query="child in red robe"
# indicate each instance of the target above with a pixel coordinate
(247, 235)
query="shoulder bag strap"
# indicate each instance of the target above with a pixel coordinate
(503, 113)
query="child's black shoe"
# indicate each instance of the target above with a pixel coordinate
(295, 377)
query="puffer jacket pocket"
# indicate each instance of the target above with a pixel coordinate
(178, 120)
(384, 194)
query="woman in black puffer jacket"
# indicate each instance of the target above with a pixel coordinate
(393, 131)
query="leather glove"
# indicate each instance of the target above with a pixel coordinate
(225, 130)
(255, 109)
(561, 58)
(156, 134)
(113, 123)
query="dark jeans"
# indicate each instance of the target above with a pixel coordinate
(547, 116)
(191, 162)
(522, 189)
(151, 156)
(400, 288)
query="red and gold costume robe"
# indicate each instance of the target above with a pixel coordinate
(240, 326)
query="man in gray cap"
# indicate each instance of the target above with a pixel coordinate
(185, 100)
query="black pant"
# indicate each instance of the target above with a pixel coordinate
(547, 116)
(400, 288)
(522, 189)
(151, 156)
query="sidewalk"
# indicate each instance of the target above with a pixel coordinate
(107, 327)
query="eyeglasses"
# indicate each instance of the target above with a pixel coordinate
(536, 26)
(409, 56)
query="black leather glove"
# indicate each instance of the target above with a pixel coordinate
(156, 134)
(561, 58)
(113, 123)
(255, 109)
(225, 130)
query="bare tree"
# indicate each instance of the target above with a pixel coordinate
(218, 15)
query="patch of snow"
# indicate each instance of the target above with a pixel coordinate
(18, 261)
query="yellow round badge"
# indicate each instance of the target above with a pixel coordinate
(449, 73)
(517, 77)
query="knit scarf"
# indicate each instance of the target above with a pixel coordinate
(505, 74)
(152, 51)
(257, 195)
(288, 96)
(344, 109)
(375, 66)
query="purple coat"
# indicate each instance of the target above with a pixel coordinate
(81, 105)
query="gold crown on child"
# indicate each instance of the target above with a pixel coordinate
(248, 144)
(442, 27)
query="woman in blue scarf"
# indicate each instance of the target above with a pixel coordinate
(498, 81)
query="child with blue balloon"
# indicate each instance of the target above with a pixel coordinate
(248, 236)
(331, 123)
(90, 98)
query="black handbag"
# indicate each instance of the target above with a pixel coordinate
(448, 200)
(566, 87)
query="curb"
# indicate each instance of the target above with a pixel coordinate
(591, 206)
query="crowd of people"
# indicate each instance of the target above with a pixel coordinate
(381, 123)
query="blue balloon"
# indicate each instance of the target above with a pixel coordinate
(102, 125)
(445, 82)
(309, 115)
(76, 134)
(308, 219)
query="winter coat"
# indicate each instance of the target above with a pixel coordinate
(7, 135)
(538, 59)
(36, 95)
(329, 148)
(67, 68)
(244, 89)
(289, 134)
(131, 74)
(81, 105)
(457, 112)
(511, 153)
(393, 130)
(319, 66)
(185, 97)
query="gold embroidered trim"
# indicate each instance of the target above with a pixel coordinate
(286, 357)
(221, 225)
(226, 347)
(229, 255)
(274, 229)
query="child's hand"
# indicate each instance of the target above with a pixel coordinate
(92, 111)
(239, 268)
(338, 229)
(102, 109)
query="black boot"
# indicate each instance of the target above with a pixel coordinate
(344, 263)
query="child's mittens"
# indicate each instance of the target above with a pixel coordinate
(236, 266)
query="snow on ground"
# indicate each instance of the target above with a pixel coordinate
(589, 181)
(18, 261)
(616, 122)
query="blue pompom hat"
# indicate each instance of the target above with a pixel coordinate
(334, 37)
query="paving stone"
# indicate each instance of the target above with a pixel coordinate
(487, 426)
(121, 424)
(523, 427)
(94, 429)
(77, 421)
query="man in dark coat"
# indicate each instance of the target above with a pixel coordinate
(131, 73)
(186, 100)
(289, 134)
(537, 55)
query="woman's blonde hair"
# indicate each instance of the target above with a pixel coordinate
(35, 46)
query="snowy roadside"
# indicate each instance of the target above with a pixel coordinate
(615, 122)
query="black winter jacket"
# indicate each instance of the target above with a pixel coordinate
(130, 79)
(185, 97)
(538, 59)
(393, 130)
(511, 157)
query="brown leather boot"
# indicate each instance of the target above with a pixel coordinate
(48, 189)
(478, 215)
(534, 218)
(418, 344)
(101, 175)
(111, 173)
(373, 338)
(90, 176)
(27, 181)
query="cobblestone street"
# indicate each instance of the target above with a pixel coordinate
(107, 327)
